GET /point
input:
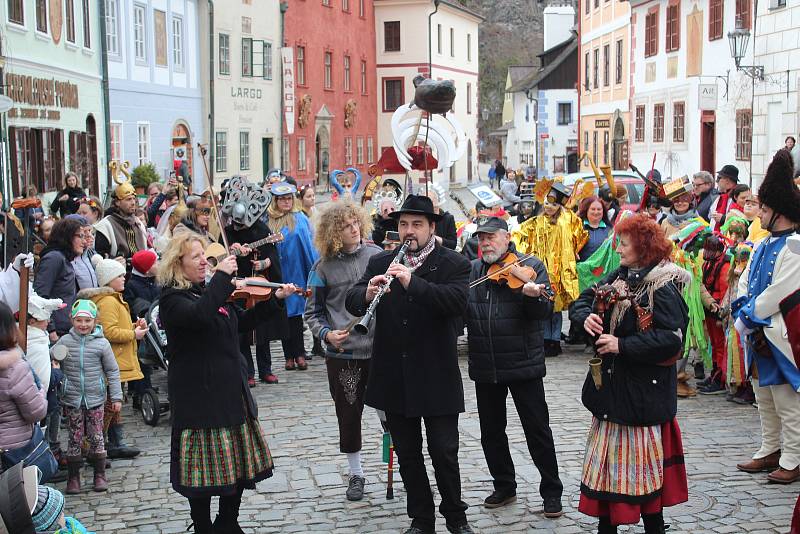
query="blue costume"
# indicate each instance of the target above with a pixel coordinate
(297, 255)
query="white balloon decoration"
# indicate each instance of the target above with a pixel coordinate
(443, 133)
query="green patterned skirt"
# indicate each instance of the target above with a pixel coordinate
(219, 461)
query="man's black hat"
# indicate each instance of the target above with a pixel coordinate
(729, 171)
(560, 191)
(491, 225)
(778, 190)
(417, 205)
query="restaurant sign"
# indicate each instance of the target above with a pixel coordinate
(41, 93)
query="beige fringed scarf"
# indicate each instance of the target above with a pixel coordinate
(662, 274)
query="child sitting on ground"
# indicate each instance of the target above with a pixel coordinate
(91, 376)
(114, 316)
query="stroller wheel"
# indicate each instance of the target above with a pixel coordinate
(151, 407)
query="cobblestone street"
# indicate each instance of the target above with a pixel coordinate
(306, 493)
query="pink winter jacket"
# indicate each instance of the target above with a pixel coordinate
(21, 403)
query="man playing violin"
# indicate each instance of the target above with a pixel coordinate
(506, 353)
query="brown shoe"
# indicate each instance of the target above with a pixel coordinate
(301, 363)
(784, 476)
(685, 390)
(290, 364)
(683, 377)
(767, 463)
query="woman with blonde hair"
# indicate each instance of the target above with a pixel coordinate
(340, 231)
(196, 219)
(218, 447)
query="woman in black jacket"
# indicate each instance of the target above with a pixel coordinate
(634, 456)
(68, 199)
(218, 447)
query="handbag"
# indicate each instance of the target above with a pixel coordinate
(37, 452)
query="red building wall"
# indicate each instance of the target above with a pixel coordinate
(340, 28)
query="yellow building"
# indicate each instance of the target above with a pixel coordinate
(604, 81)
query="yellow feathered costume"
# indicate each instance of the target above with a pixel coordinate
(557, 245)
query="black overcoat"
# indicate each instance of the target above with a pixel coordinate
(207, 372)
(414, 370)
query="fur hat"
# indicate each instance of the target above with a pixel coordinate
(778, 190)
(40, 308)
(107, 270)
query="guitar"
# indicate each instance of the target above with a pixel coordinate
(216, 251)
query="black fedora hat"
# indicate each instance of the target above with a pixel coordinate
(729, 171)
(417, 205)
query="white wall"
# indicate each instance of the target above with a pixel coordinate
(559, 134)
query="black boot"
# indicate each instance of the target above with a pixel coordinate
(654, 523)
(227, 521)
(116, 444)
(604, 526)
(200, 511)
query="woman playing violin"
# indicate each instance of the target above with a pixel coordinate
(214, 417)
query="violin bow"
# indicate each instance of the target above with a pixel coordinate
(482, 279)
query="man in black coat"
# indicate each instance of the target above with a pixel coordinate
(415, 373)
(506, 353)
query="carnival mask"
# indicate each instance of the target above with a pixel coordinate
(245, 202)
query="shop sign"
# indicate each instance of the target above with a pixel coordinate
(287, 64)
(43, 92)
(602, 123)
(707, 96)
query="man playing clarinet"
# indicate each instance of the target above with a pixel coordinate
(414, 375)
(506, 353)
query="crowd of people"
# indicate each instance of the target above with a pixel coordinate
(691, 287)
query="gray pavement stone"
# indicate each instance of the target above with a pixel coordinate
(306, 493)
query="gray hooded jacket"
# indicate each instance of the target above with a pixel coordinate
(90, 370)
(329, 281)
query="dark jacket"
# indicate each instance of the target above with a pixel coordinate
(470, 248)
(207, 372)
(69, 206)
(446, 229)
(505, 331)
(140, 292)
(56, 379)
(704, 204)
(55, 279)
(414, 370)
(636, 390)
(379, 228)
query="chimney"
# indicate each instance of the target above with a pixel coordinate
(559, 19)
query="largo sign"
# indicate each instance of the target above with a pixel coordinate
(287, 68)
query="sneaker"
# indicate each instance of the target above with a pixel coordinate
(462, 528)
(355, 488)
(714, 388)
(269, 379)
(745, 398)
(699, 371)
(251, 382)
(497, 499)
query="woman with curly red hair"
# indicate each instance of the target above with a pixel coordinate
(633, 466)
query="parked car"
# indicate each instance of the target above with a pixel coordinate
(633, 184)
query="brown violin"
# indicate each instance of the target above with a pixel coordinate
(262, 288)
(510, 271)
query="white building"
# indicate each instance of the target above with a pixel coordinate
(402, 54)
(680, 52)
(552, 90)
(519, 113)
(776, 105)
(247, 87)
(155, 89)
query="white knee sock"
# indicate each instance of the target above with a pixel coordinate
(354, 459)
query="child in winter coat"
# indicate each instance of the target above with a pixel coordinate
(91, 376)
(141, 291)
(114, 316)
(38, 353)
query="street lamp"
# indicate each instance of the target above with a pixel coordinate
(738, 40)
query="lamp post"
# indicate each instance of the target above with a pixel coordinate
(738, 40)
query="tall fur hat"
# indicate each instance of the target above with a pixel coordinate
(778, 190)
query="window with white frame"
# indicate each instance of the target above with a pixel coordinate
(116, 140)
(363, 77)
(564, 113)
(348, 150)
(287, 155)
(139, 34)
(224, 53)
(452, 42)
(301, 153)
(346, 73)
(41, 16)
(244, 151)
(247, 56)
(112, 20)
(301, 65)
(87, 24)
(359, 151)
(328, 70)
(69, 20)
(267, 61)
(221, 152)
(177, 42)
(469, 47)
(370, 149)
(16, 11)
(143, 142)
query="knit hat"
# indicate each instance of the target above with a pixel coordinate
(49, 506)
(144, 260)
(40, 308)
(107, 270)
(778, 190)
(78, 217)
(84, 308)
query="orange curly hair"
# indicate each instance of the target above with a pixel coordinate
(646, 237)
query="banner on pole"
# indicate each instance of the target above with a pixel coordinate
(287, 64)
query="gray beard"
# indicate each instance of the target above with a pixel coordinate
(490, 257)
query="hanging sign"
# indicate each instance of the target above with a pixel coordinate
(707, 96)
(287, 64)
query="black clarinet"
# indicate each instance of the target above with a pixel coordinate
(362, 327)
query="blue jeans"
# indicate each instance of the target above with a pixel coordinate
(552, 327)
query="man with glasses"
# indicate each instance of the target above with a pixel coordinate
(704, 192)
(727, 178)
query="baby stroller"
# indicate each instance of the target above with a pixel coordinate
(155, 356)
